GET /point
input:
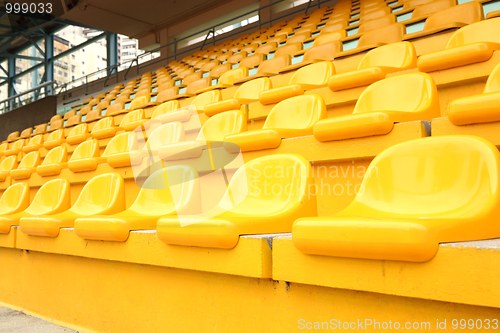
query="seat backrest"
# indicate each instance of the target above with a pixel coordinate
(30, 160)
(273, 66)
(166, 94)
(121, 143)
(288, 49)
(467, 13)
(249, 91)
(56, 135)
(448, 176)
(484, 31)
(409, 4)
(323, 52)
(174, 187)
(194, 86)
(103, 123)
(56, 156)
(52, 197)
(218, 126)
(374, 14)
(55, 118)
(390, 34)
(70, 114)
(75, 120)
(132, 116)
(191, 78)
(414, 92)
(9, 163)
(377, 23)
(86, 149)
(243, 198)
(15, 199)
(493, 82)
(400, 55)
(103, 194)
(26, 132)
(300, 112)
(165, 108)
(432, 7)
(36, 140)
(3, 147)
(253, 60)
(265, 49)
(228, 77)
(329, 37)
(40, 129)
(19, 144)
(56, 125)
(140, 100)
(79, 129)
(314, 75)
(164, 135)
(205, 98)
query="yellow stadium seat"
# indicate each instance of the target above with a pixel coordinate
(78, 134)
(493, 14)
(55, 139)
(376, 64)
(40, 129)
(73, 121)
(400, 98)
(117, 152)
(227, 79)
(54, 162)
(374, 38)
(306, 78)
(104, 128)
(93, 116)
(425, 192)
(3, 146)
(252, 61)
(473, 43)
(103, 194)
(244, 210)
(34, 144)
(215, 129)
(6, 166)
(56, 125)
(134, 120)
(14, 200)
(13, 136)
(292, 117)
(85, 157)
(268, 68)
(165, 108)
(55, 118)
(169, 191)
(248, 92)
(15, 148)
(27, 166)
(480, 108)
(26, 133)
(451, 18)
(70, 114)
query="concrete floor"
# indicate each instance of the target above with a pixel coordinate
(12, 321)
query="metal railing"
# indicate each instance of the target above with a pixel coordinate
(10, 103)
(174, 44)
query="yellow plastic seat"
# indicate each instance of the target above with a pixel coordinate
(15, 148)
(40, 129)
(26, 133)
(27, 166)
(306, 78)
(78, 134)
(55, 139)
(117, 108)
(73, 121)
(92, 116)
(104, 128)
(451, 18)
(227, 79)
(72, 113)
(215, 129)
(54, 162)
(55, 125)
(415, 195)
(431, 8)
(479, 108)
(375, 38)
(292, 117)
(493, 14)
(103, 194)
(164, 108)
(118, 150)
(34, 144)
(471, 44)
(134, 120)
(248, 210)
(375, 65)
(15, 199)
(268, 68)
(55, 118)
(400, 98)
(85, 157)
(248, 92)
(142, 101)
(169, 191)
(6, 166)
(3, 147)
(13, 136)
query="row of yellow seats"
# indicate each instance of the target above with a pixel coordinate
(415, 195)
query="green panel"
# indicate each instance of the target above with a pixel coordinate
(349, 45)
(215, 81)
(153, 98)
(355, 15)
(491, 6)
(352, 32)
(182, 90)
(132, 96)
(404, 17)
(392, 3)
(205, 74)
(315, 34)
(83, 117)
(415, 27)
(178, 82)
(103, 112)
(297, 59)
(127, 105)
(354, 22)
(235, 66)
(154, 89)
(397, 9)
(308, 45)
(321, 26)
(252, 71)
(270, 56)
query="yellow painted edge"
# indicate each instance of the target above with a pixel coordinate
(466, 275)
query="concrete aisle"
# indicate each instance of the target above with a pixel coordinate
(12, 321)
